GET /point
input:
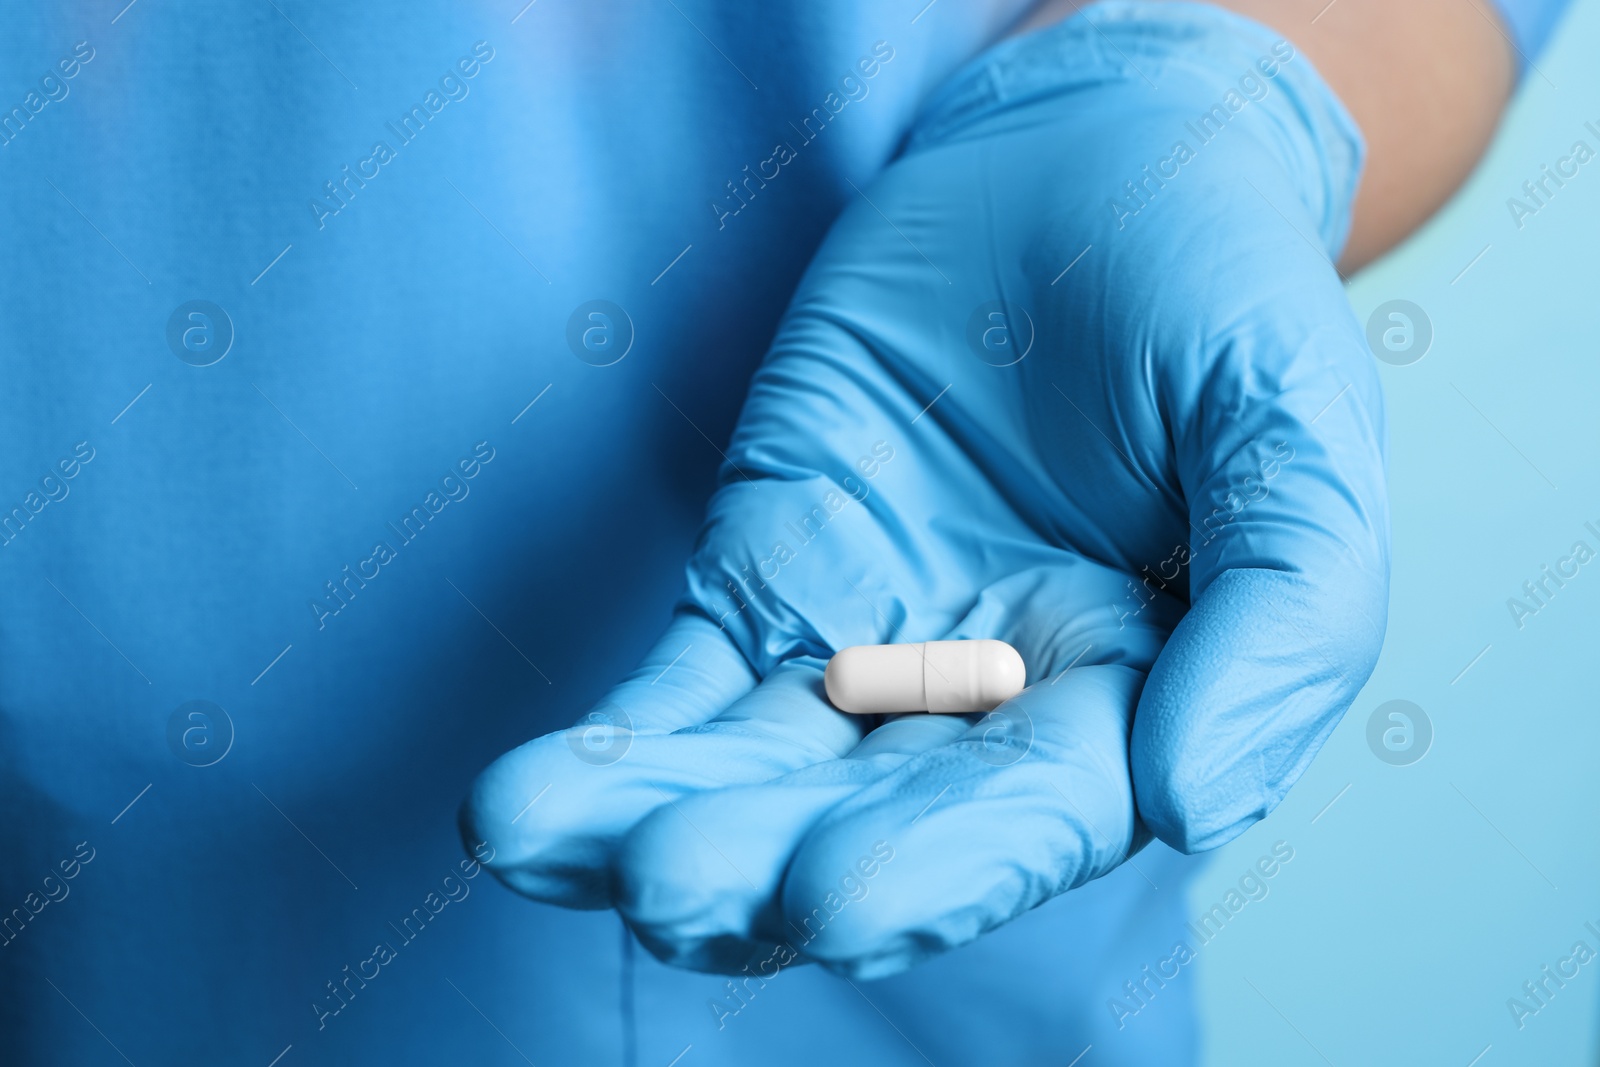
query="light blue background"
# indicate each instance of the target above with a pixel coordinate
(1406, 919)
(410, 329)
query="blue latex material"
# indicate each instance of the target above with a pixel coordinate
(180, 563)
(1050, 379)
(1530, 24)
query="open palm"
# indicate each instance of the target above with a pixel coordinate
(1142, 444)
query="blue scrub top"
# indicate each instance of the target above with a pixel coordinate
(364, 378)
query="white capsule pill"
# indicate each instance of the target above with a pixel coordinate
(943, 676)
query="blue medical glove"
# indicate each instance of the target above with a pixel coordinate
(1075, 372)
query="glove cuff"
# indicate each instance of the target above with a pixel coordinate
(1249, 66)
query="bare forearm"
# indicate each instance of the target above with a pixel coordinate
(1426, 80)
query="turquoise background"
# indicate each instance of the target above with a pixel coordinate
(1421, 900)
(413, 327)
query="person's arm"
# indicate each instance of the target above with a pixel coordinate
(1426, 80)
(1075, 372)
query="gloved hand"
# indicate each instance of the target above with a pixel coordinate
(1142, 443)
